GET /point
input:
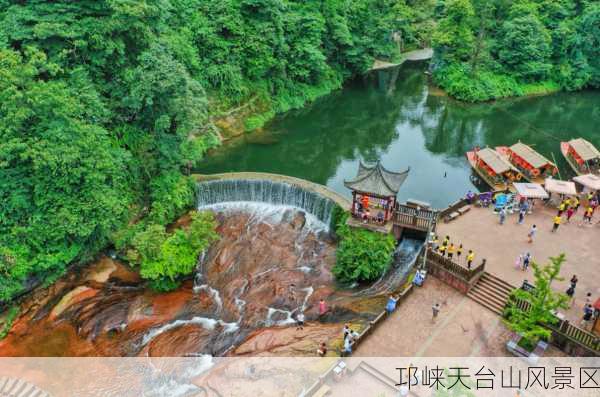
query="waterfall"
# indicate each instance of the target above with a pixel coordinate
(265, 191)
(404, 259)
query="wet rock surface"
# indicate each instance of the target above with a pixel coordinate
(243, 300)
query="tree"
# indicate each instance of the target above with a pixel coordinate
(541, 302)
(453, 38)
(525, 47)
(362, 255)
(165, 258)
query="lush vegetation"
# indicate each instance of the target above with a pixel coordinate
(105, 105)
(6, 322)
(361, 255)
(165, 258)
(543, 302)
(488, 49)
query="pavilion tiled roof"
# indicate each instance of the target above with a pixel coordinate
(377, 180)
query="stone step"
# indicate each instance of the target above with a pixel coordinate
(498, 282)
(488, 306)
(481, 295)
(491, 289)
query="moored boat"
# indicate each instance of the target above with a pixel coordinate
(494, 169)
(533, 166)
(582, 156)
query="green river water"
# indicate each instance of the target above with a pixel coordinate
(407, 126)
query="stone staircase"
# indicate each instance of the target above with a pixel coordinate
(491, 292)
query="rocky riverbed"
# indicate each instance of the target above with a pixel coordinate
(242, 300)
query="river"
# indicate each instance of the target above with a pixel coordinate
(411, 125)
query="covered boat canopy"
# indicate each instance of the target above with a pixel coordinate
(531, 190)
(494, 161)
(561, 187)
(590, 181)
(585, 150)
(377, 180)
(533, 158)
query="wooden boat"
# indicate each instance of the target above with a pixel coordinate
(533, 166)
(582, 156)
(494, 169)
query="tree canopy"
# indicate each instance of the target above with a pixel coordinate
(489, 49)
(105, 105)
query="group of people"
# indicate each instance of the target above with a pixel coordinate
(570, 205)
(449, 249)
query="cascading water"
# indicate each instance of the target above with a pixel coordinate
(264, 191)
(405, 257)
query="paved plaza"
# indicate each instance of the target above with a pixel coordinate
(479, 229)
(463, 328)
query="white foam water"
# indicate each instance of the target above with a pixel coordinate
(204, 322)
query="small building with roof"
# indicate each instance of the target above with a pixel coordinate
(374, 191)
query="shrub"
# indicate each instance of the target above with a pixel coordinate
(164, 259)
(362, 255)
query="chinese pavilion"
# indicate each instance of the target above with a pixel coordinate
(374, 191)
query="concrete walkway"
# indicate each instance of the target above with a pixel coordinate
(480, 230)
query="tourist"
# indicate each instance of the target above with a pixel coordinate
(435, 242)
(446, 241)
(502, 214)
(322, 350)
(519, 262)
(557, 220)
(570, 292)
(531, 233)
(574, 281)
(300, 321)
(588, 298)
(470, 257)
(442, 250)
(561, 208)
(451, 250)
(588, 312)
(459, 253)
(436, 310)
(570, 213)
(322, 307)
(576, 203)
(470, 197)
(346, 330)
(347, 347)
(391, 304)
(587, 215)
(526, 260)
(521, 216)
(380, 217)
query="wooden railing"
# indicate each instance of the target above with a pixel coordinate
(420, 219)
(563, 328)
(453, 267)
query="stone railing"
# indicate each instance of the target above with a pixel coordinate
(568, 337)
(451, 272)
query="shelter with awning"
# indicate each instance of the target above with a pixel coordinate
(590, 181)
(531, 190)
(561, 187)
(530, 161)
(374, 191)
(492, 162)
(584, 154)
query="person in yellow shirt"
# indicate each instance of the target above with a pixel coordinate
(557, 221)
(470, 257)
(576, 203)
(587, 216)
(451, 250)
(561, 208)
(459, 251)
(442, 250)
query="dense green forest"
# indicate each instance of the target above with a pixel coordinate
(488, 49)
(105, 105)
